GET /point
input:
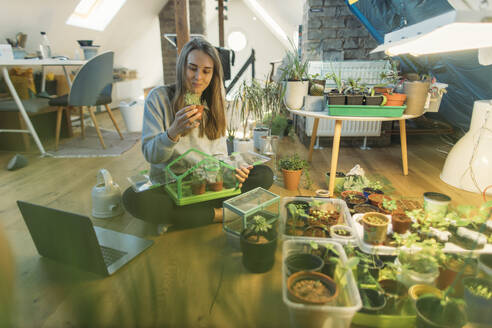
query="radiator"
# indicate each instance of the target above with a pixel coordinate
(370, 74)
(326, 128)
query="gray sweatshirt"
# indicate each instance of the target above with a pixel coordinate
(157, 148)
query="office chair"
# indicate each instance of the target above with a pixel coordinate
(92, 86)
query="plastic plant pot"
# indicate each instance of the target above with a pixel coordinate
(215, 186)
(305, 298)
(346, 193)
(303, 262)
(300, 204)
(375, 227)
(316, 231)
(198, 188)
(416, 291)
(339, 180)
(449, 272)
(364, 208)
(369, 191)
(341, 232)
(372, 301)
(259, 258)
(478, 307)
(373, 268)
(400, 222)
(410, 277)
(395, 293)
(430, 314)
(436, 203)
(354, 200)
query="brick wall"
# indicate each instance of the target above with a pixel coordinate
(332, 32)
(196, 10)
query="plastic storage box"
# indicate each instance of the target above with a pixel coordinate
(337, 315)
(194, 168)
(238, 211)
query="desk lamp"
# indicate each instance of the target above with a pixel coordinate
(468, 165)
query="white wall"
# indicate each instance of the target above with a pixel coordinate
(267, 47)
(133, 34)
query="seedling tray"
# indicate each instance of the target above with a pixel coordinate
(358, 230)
(364, 110)
(192, 199)
(343, 209)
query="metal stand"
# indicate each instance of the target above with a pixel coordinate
(364, 145)
(317, 146)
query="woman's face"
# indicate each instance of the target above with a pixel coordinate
(199, 71)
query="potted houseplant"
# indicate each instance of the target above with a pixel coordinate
(303, 262)
(311, 288)
(315, 101)
(296, 217)
(375, 228)
(340, 231)
(395, 293)
(258, 244)
(393, 77)
(355, 199)
(364, 208)
(373, 301)
(373, 98)
(198, 182)
(329, 255)
(353, 92)
(478, 299)
(420, 267)
(216, 181)
(292, 167)
(388, 206)
(400, 222)
(454, 269)
(194, 99)
(336, 96)
(231, 128)
(369, 191)
(440, 312)
(296, 79)
(416, 92)
(376, 199)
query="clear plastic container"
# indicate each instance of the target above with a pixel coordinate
(238, 211)
(337, 315)
(338, 203)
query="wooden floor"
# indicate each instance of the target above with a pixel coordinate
(188, 278)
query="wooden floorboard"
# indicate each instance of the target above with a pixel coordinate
(188, 266)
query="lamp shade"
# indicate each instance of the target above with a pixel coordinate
(469, 163)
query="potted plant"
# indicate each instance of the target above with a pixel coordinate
(420, 267)
(375, 228)
(339, 179)
(419, 290)
(478, 299)
(440, 312)
(198, 182)
(373, 301)
(364, 208)
(393, 77)
(376, 199)
(400, 222)
(311, 288)
(336, 96)
(388, 206)
(329, 254)
(296, 217)
(231, 128)
(353, 92)
(342, 232)
(296, 79)
(258, 244)
(303, 262)
(373, 98)
(292, 168)
(216, 182)
(194, 99)
(355, 199)
(395, 293)
(455, 268)
(369, 191)
(416, 92)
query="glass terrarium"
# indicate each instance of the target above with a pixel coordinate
(238, 211)
(196, 177)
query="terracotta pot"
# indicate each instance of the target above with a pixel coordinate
(324, 279)
(375, 234)
(215, 186)
(198, 188)
(346, 193)
(291, 179)
(383, 89)
(449, 272)
(400, 222)
(375, 199)
(395, 99)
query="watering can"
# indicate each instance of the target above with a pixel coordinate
(106, 197)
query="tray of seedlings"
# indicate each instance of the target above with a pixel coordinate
(318, 285)
(315, 217)
(457, 230)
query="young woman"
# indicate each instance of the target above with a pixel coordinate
(171, 128)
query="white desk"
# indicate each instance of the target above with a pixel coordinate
(336, 137)
(4, 64)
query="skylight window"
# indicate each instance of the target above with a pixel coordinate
(95, 14)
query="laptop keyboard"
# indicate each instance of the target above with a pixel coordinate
(111, 255)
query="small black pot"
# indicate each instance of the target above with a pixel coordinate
(302, 203)
(303, 262)
(259, 258)
(230, 146)
(395, 293)
(373, 268)
(355, 200)
(369, 191)
(336, 99)
(429, 308)
(372, 301)
(373, 100)
(355, 99)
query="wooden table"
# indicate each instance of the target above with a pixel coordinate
(4, 64)
(336, 137)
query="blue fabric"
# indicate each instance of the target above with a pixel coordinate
(468, 80)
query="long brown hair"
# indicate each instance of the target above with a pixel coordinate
(215, 122)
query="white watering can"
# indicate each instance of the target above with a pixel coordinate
(106, 197)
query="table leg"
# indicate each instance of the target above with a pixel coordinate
(334, 156)
(43, 79)
(313, 139)
(69, 81)
(403, 140)
(22, 110)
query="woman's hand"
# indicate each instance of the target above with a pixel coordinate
(242, 174)
(186, 119)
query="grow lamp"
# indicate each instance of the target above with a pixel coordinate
(469, 163)
(468, 26)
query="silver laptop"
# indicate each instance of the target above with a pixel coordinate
(72, 239)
